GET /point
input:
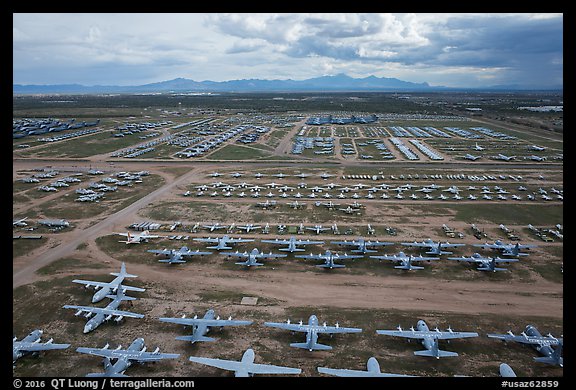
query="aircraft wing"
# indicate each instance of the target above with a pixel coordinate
(256, 368)
(418, 244)
(417, 334)
(276, 241)
(388, 257)
(230, 365)
(35, 347)
(195, 253)
(354, 373)
(423, 258)
(336, 329)
(103, 284)
(160, 251)
(294, 327)
(348, 256)
(311, 256)
(269, 255)
(202, 239)
(99, 310)
(468, 259)
(448, 245)
(129, 355)
(235, 254)
(489, 246)
(351, 243)
(533, 340)
(198, 321)
(237, 240)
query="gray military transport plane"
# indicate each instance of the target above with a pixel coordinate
(312, 329)
(435, 248)
(252, 257)
(329, 259)
(429, 338)
(292, 244)
(104, 289)
(222, 242)
(543, 344)
(373, 370)
(136, 352)
(201, 326)
(175, 256)
(106, 313)
(246, 366)
(31, 344)
(362, 245)
(485, 264)
(405, 261)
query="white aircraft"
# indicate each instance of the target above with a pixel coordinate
(471, 157)
(31, 344)
(318, 228)
(201, 326)
(216, 226)
(406, 261)
(292, 243)
(246, 366)
(295, 205)
(137, 238)
(478, 147)
(429, 338)
(535, 158)
(221, 242)
(248, 227)
(372, 370)
(537, 148)
(503, 157)
(103, 289)
(19, 222)
(312, 329)
(252, 257)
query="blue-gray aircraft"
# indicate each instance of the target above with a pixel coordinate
(329, 259)
(136, 352)
(406, 261)
(372, 366)
(106, 313)
(485, 263)
(506, 371)
(543, 344)
(246, 366)
(252, 257)
(201, 326)
(312, 329)
(104, 289)
(362, 245)
(31, 344)
(429, 338)
(435, 247)
(175, 256)
(221, 242)
(292, 243)
(506, 249)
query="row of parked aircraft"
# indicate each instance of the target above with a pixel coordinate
(32, 344)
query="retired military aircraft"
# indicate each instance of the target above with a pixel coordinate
(103, 289)
(252, 257)
(106, 313)
(246, 366)
(175, 256)
(312, 329)
(19, 222)
(485, 264)
(329, 259)
(137, 238)
(215, 226)
(543, 344)
(506, 249)
(136, 352)
(31, 344)
(318, 228)
(471, 157)
(406, 261)
(221, 242)
(429, 338)
(435, 247)
(248, 227)
(372, 366)
(362, 245)
(292, 243)
(201, 326)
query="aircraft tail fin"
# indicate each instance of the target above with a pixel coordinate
(315, 346)
(194, 338)
(123, 271)
(554, 358)
(437, 354)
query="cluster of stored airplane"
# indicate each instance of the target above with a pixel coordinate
(361, 247)
(374, 191)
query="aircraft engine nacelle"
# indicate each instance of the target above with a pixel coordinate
(119, 318)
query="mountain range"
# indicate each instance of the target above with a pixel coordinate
(337, 83)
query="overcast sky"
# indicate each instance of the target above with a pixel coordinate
(455, 50)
